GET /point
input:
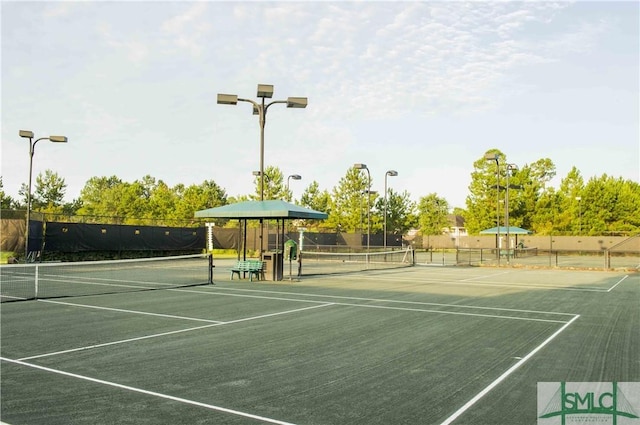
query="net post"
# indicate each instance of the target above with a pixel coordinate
(211, 266)
(35, 289)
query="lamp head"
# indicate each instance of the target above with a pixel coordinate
(296, 176)
(58, 139)
(296, 102)
(265, 90)
(26, 133)
(360, 166)
(491, 156)
(392, 173)
(227, 99)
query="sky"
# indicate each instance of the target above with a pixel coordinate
(423, 88)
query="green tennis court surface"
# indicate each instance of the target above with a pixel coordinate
(418, 345)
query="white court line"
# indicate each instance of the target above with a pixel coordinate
(372, 299)
(170, 316)
(458, 313)
(482, 277)
(618, 283)
(150, 393)
(469, 282)
(140, 338)
(509, 371)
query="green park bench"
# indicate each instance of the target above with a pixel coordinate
(253, 267)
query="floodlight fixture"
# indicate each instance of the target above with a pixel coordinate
(227, 99)
(294, 177)
(265, 91)
(296, 102)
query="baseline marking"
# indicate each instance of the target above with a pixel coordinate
(151, 393)
(509, 371)
(140, 338)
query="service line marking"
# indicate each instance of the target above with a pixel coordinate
(150, 393)
(140, 338)
(382, 300)
(170, 316)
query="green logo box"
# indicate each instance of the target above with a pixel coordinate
(592, 403)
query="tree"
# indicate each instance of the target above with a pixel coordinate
(348, 211)
(568, 219)
(6, 201)
(611, 205)
(433, 214)
(400, 212)
(198, 197)
(99, 196)
(482, 199)
(48, 193)
(274, 187)
(317, 200)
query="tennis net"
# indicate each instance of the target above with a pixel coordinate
(316, 262)
(55, 280)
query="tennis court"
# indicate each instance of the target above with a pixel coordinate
(413, 345)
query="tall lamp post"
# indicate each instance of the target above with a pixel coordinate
(496, 157)
(265, 91)
(510, 168)
(364, 167)
(579, 199)
(32, 146)
(295, 177)
(391, 173)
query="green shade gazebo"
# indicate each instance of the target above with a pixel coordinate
(262, 210)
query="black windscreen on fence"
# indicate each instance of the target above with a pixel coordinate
(77, 237)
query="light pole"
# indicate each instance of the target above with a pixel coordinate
(32, 146)
(295, 177)
(496, 157)
(391, 173)
(364, 167)
(579, 199)
(265, 91)
(510, 168)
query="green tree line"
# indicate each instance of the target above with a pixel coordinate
(601, 205)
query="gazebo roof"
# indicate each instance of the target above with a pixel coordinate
(253, 210)
(503, 231)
